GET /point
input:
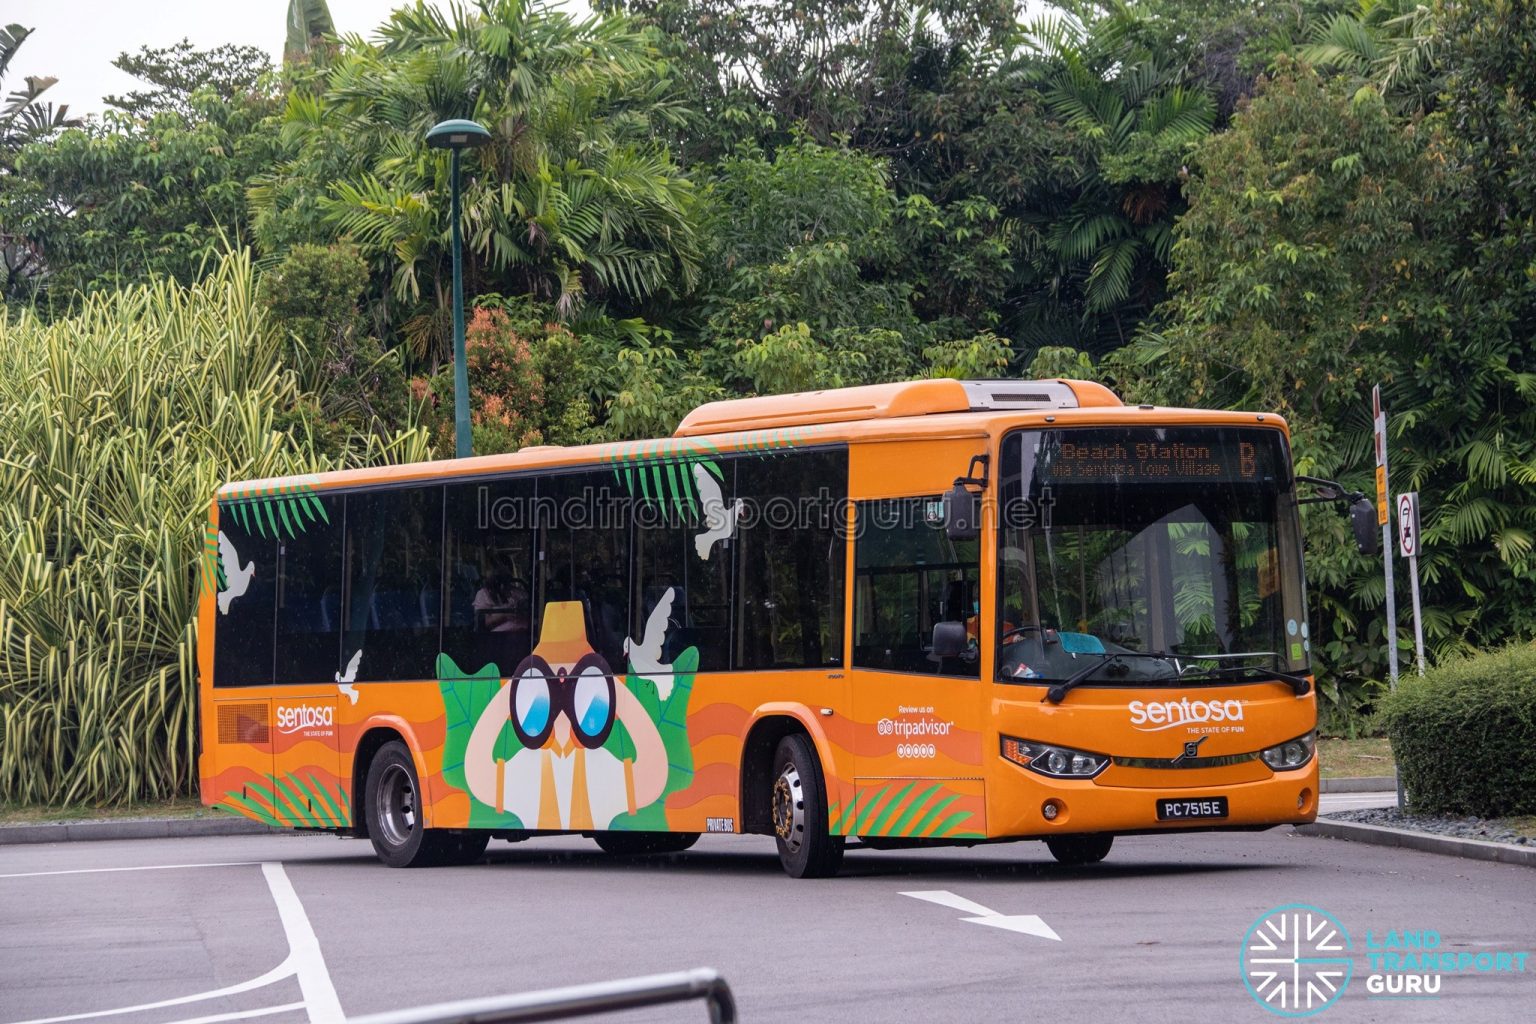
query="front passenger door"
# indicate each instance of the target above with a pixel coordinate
(918, 758)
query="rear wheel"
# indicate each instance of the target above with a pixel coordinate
(1077, 850)
(798, 805)
(639, 843)
(392, 798)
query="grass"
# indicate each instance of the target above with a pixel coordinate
(117, 426)
(1352, 759)
(1525, 825)
(34, 814)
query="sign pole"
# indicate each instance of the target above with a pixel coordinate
(1409, 541)
(1383, 498)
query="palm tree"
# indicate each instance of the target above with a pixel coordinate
(23, 116)
(1388, 43)
(573, 200)
(1139, 114)
(309, 23)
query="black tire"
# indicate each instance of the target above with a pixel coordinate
(1080, 850)
(622, 844)
(392, 799)
(798, 809)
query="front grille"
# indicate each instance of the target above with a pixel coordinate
(1219, 761)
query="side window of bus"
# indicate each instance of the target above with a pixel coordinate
(678, 551)
(246, 593)
(584, 521)
(488, 590)
(393, 601)
(790, 559)
(309, 597)
(908, 576)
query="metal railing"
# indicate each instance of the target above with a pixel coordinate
(577, 1001)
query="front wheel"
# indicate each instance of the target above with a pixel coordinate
(1079, 850)
(641, 843)
(392, 799)
(799, 810)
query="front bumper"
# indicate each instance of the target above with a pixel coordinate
(1017, 808)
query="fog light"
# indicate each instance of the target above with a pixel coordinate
(1049, 810)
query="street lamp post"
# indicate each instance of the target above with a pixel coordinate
(454, 136)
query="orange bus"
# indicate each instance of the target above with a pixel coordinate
(936, 612)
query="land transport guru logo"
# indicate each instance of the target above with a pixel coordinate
(1297, 960)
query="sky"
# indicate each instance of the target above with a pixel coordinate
(76, 40)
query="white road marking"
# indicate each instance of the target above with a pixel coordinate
(945, 898)
(304, 961)
(1027, 924)
(265, 1011)
(281, 972)
(304, 950)
(147, 867)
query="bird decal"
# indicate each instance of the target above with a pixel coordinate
(720, 521)
(236, 579)
(645, 655)
(345, 680)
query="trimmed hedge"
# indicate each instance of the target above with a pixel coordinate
(1464, 735)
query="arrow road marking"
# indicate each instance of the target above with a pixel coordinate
(1028, 924)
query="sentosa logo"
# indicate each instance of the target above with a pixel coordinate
(304, 716)
(1157, 715)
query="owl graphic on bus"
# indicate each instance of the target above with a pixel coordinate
(562, 703)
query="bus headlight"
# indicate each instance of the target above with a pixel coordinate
(1282, 757)
(1057, 762)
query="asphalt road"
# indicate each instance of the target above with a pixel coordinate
(288, 928)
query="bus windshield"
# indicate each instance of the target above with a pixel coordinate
(1159, 554)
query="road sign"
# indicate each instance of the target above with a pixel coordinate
(1409, 541)
(1408, 523)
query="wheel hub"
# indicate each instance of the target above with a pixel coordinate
(397, 804)
(789, 808)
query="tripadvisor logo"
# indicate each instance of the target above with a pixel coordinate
(1296, 960)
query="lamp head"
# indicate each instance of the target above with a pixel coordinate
(457, 134)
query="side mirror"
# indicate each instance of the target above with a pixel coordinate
(949, 639)
(962, 513)
(1362, 519)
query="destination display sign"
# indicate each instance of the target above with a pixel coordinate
(1168, 456)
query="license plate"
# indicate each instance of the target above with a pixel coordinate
(1196, 807)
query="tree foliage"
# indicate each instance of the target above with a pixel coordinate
(573, 201)
(1271, 205)
(1324, 252)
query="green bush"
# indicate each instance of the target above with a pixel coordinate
(1464, 735)
(116, 426)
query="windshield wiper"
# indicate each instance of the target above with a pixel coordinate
(1057, 692)
(1300, 685)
